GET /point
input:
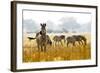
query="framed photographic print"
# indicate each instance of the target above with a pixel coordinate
(47, 36)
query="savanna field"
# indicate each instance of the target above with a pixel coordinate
(56, 52)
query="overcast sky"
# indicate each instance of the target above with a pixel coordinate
(56, 21)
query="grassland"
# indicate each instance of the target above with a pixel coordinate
(56, 53)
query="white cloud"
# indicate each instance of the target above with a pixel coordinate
(56, 21)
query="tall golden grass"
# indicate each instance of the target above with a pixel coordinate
(56, 52)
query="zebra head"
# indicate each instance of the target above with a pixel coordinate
(43, 29)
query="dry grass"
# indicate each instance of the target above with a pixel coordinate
(55, 53)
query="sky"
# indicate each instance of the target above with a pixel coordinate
(56, 21)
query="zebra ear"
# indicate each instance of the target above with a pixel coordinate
(45, 24)
(40, 32)
(41, 24)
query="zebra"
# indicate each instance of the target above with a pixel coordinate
(58, 39)
(70, 40)
(76, 38)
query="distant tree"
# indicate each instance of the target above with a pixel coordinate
(73, 31)
(65, 30)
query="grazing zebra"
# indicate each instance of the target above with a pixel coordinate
(76, 38)
(70, 40)
(58, 39)
(80, 39)
(63, 38)
(83, 39)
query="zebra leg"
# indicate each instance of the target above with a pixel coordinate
(73, 43)
(64, 41)
(55, 43)
(44, 48)
(61, 43)
(67, 44)
(85, 42)
(79, 42)
(41, 47)
(38, 47)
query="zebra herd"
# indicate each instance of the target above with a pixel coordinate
(42, 39)
(80, 39)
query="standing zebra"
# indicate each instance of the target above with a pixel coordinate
(41, 39)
